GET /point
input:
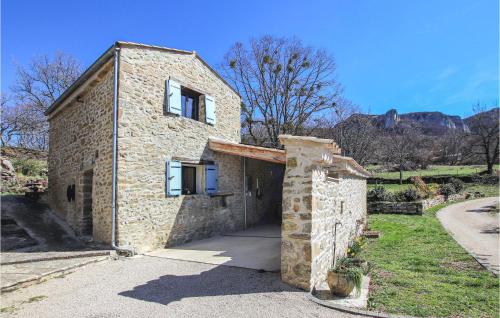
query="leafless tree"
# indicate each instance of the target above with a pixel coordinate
(399, 147)
(285, 86)
(485, 135)
(21, 126)
(38, 85)
(454, 147)
(353, 132)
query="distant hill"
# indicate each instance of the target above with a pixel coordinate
(492, 115)
(429, 123)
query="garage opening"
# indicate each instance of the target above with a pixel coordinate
(263, 192)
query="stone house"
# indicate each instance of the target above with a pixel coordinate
(145, 152)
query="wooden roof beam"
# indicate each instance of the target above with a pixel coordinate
(248, 151)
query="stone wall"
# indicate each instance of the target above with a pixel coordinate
(317, 193)
(396, 207)
(339, 200)
(148, 137)
(80, 139)
(415, 208)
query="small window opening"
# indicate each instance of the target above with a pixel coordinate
(190, 103)
(188, 180)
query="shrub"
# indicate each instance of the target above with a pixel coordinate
(458, 184)
(407, 195)
(379, 193)
(30, 167)
(356, 246)
(424, 190)
(447, 189)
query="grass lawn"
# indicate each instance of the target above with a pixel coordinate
(420, 270)
(431, 171)
(490, 190)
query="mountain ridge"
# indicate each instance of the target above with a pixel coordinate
(430, 123)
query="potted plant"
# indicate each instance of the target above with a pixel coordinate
(346, 275)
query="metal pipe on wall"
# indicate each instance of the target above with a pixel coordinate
(115, 142)
(245, 191)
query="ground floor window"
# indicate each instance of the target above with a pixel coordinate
(188, 180)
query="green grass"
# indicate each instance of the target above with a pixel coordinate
(420, 270)
(489, 190)
(431, 171)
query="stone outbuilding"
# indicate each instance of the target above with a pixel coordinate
(145, 152)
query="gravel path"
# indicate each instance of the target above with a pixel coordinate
(145, 286)
(476, 228)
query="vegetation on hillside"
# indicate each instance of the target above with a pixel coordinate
(432, 170)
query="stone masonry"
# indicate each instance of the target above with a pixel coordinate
(320, 188)
(148, 137)
(80, 140)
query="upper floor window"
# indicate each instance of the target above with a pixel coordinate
(185, 102)
(189, 104)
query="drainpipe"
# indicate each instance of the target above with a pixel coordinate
(120, 250)
(245, 191)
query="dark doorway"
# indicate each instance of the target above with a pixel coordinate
(87, 203)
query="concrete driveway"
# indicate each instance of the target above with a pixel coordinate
(145, 286)
(475, 226)
(256, 248)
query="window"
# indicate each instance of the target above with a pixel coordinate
(188, 180)
(183, 101)
(189, 104)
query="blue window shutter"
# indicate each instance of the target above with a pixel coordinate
(210, 109)
(173, 97)
(174, 178)
(211, 178)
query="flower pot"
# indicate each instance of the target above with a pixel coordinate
(339, 284)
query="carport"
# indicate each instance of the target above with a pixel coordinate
(258, 245)
(307, 190)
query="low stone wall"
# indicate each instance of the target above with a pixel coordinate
(415, 208)
(396, 207)
(429, 203)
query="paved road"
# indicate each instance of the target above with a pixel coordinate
(476, 228)
(145, 286)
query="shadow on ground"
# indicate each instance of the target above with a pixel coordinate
(485, 209)
(221, 280)
(29, 226)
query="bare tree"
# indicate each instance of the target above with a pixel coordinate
(21, 126)
(454, 147)
(285, 86)
(37, 86)
(353, 132)
(485, 135)
(400, 147)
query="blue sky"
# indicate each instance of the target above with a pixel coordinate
(410, 55)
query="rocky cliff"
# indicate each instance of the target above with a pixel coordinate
(429, 122)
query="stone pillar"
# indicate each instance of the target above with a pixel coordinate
(303, 155)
